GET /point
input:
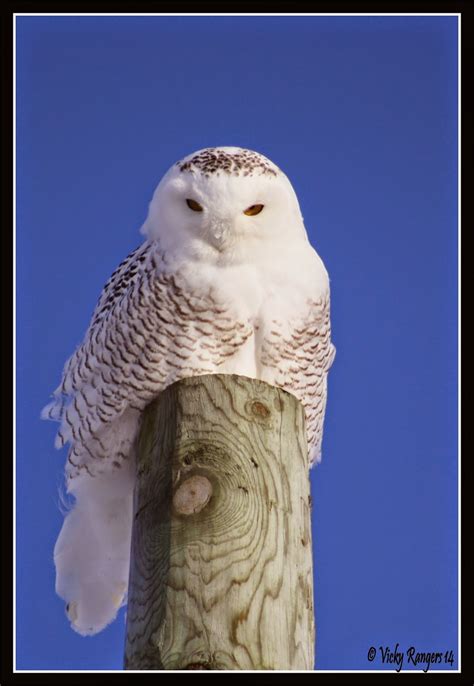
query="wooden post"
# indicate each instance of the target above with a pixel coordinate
(221, 562)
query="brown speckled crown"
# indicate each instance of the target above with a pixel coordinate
(241, 163)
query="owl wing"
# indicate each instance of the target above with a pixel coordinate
(125, 359)
(314, 357)
(300, 356)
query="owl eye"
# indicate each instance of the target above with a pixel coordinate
(253, 210)
(193, 205)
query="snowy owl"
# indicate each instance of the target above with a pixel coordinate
(225, 282)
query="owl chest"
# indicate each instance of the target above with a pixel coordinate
(228, 324)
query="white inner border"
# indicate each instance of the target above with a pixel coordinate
(276, 14)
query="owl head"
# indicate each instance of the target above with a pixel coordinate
(220, 202)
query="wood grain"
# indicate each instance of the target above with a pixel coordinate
(221, 564)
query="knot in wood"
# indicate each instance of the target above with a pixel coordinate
(259, 409)
(198, 665)
(192, 495)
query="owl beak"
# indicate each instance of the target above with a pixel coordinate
(220, 230)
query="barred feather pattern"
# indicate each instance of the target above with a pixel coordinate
(299, 362)
(149, 331)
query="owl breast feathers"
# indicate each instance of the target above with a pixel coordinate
(218, 286)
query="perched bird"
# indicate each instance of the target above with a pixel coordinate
(225, 282)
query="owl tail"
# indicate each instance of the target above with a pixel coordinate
(92, 553)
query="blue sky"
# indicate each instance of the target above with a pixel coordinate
(361, 114)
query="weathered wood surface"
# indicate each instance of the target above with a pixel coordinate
(221, 564)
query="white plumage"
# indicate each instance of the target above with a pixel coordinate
(225, 282)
